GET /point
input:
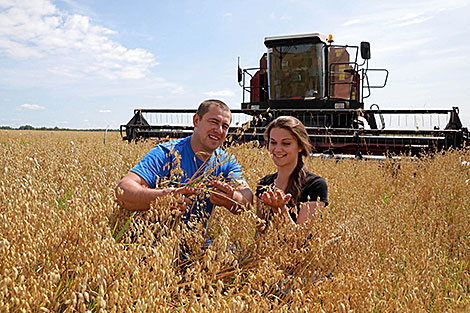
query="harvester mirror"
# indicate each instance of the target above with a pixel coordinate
(240, 74)
(365, 50)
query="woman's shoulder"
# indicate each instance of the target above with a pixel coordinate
(263, 182)
(268, 179)
(314, 182)
(315, 186)
(311, 178)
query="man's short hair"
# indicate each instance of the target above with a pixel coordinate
(205, 106)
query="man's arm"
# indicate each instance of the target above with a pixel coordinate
(134, 194)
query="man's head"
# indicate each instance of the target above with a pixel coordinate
(205, 106)
(211, 124)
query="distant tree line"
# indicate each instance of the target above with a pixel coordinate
(29, 127)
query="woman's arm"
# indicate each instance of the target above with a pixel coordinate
(260, 225)
(308, 210)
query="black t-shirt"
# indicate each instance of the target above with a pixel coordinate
(314, 187)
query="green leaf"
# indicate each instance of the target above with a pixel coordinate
(124, 228)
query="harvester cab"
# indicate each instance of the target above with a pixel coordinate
(307, 72)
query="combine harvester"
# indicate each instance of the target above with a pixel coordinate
(324, 86)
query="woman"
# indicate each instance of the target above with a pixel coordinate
(292, 191)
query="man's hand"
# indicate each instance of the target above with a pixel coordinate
(222, 194)
(232, 198)
(183, 203)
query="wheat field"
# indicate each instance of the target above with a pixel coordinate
(394, 238)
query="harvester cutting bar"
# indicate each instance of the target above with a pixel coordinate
(368, 132)
(422, 119)
(174, 123)
(357, 139)
(378, 145)
(183, 117)
(374, 142)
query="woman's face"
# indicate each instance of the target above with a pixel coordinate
(283, 147)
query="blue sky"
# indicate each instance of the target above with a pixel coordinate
(88, 64)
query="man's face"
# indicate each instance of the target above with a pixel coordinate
(210, 130)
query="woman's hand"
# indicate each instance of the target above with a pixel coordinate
(277, 200)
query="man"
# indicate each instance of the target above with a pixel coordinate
(199, 155)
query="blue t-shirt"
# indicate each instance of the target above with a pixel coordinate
(155, 168)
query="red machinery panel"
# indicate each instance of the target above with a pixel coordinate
(259, 82)
(340, 81)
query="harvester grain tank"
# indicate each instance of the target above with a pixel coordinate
(324, 85)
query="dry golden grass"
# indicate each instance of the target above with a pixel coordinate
(395, 237)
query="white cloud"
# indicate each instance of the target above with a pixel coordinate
(176, 90)
(228, 14)
(226, 93)
(352, 22)
(402, 13)
(395, 28)
(405, 44)
(72, 43)
(104, 111)
(35, 107)
(441, 52)
(417, 20)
